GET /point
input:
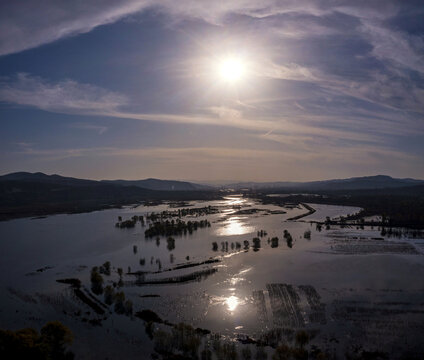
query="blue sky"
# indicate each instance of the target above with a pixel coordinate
(133, 89)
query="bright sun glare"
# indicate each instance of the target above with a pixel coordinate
(232, 69)
(232, 303)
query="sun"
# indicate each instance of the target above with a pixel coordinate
(232, 69)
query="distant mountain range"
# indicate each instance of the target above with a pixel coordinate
(160, 185)
(43, 178)
(150, 184)
(355, 183)
(36, 194)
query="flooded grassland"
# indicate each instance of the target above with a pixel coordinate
(239, 272)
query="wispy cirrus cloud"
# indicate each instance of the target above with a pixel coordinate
(399, 47)
(24, 25)
(70, 97)
(66, 96)
(91, 127)
(28, 24)
(288, 71)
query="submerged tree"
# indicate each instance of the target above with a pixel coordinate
(170, 243)
(109, 295)
(256, 243)
(288, 238)
(119, 302)
(120, 272)
(128, 307)
(96, 281)
(105, 268)
(307, 234)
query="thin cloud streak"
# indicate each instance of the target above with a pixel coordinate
(201, 154)
(66, 96)
(70, 97)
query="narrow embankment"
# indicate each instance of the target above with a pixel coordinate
(310, 209)
(97, 306)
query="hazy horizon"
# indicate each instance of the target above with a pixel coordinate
(212, 91)
(215, 182)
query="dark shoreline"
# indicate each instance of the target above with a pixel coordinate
(40, 210)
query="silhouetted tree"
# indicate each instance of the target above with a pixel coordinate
(246, 353)
(119, 302)
(96, 281)
(256, 243)
(170, 243)
(288, 238)
(261, 354)
(109, 294)
(56, 337)
(128, 307)
(302, 338)
(282, 352)
(307, 234)
(29, 344)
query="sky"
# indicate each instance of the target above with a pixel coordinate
(241, 90)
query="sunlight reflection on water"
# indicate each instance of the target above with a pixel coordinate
(238, 278)
(234, 226)
(234, 200)
(232, 302)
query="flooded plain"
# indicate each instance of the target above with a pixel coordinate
(250, 276)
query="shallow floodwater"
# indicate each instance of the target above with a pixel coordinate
(348, 284)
